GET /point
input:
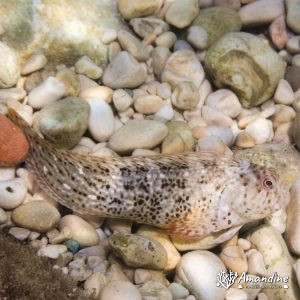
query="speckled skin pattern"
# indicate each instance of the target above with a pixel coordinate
(191, 194)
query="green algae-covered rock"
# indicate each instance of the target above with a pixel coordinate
(64, 122)
(247, 65)
(218, 21)
(64, 29)
(138, 251)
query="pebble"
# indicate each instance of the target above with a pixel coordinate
(46, 93)
(292, 75)
(185, 96)
(224, 101)
(87, 67)
(143, 134)
(70, 80)
(72, 245)
(130, 9)
(120, 290)
(52, 251)
(160, 55)
(115, 273)
(141, 276)
(166, 39)
(119, 225)
(159, 236)
(13, 143)
(12, 193)
(86, 82)
(277, 220)
(155, 290)
(283, 114)
(261, 12)
(124, 72)
(293, 12)
(261, 130)
(214, 117)
(223, 133)
(256, 265)
(293, 45)
(94, 284)
(63, 123)
(143, 152)
(211, 143)
(234, 259)
(79, 230)
(19, 233)
(10, 66)
(181, 13)
(16, 94)
(197, 37)
(64, 259)
(101, 122)
(37, 215)
(35, 63)
(32, 81)
(99, 91)
(178, 291)
(3, 216)
(164, 90)
(132, 45)
(278, 32)
(197, 271)
(138, 251)
(109, 36)
(148, 104)
(80, 274)
(122, 100)
(296, 60)
(236, 294)
(149, 26)
(183, 65)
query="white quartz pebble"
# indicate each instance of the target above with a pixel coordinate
(120, 290)
(284, 93)
(100, 92)
(52, 251)
(7, 173)
(197, 37)
(19, 233)
(46, 93)
(261, 130)
(211, 143)
(109, 36)
(34, 63)
(101, 122)
(12, 193)
(166, 112)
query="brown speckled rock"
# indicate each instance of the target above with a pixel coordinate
(13, 143)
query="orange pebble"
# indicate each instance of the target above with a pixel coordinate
(13, 143)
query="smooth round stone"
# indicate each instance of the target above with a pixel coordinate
(12, 193)
(120, 290)
(224, 133)
(283, 114)
(72, 245)
(9, 66)
(296, 60)
(87, 67)
(109, 36)
(261, 130)
(32, 81)
(52, 251)
(224, 101)
(101, 92)
(16, 94)
(145, 134)
(293, 12)
(185, 96)
(215, 117)
(234, 258)
(160, 55)
(37, 215)
(19, 233)
(122, 100)
(34, 63)
(148, 104)
(138, 251)
(124, 72)
(166, 39)
(293, 44)
(244, 140)
(284, 93)
(197, 271)
(236, 294)
(94, 284)
(119, 225)
(292, 75)
(181, 13)
(211, 143)
(183, 65)
(133, 45)
(70, 80)
(131, 8)
(63, 123)
(146, 27)
(79, 230)
(101, 121)
(197, 37)
(7, 174)
(261, 12)
(155, 290)
(3, 216)
(178, 291)
(278, 32)
(46, 93)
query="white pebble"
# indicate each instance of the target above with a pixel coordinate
(120, 290)
(236, 294)
(211, 143)
(167, 39)
(166, 112)
(224, 133)
(19, 233)
(148, 104)
(256, 265)
(101, 122)
(197, 37)
(52, 251)
(46, 93)
(122, 100)
(34, 63)
(164, 90)
(109, 36)
(178, 291)
(215, 117)
(293, 44)
(7, 173)
(284, 93)
(16, 94)
(100, 92)
(87, 67)
(3, 216)
(12, 193)
(261, 130)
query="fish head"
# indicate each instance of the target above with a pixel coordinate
(284, 158)
(259, 192)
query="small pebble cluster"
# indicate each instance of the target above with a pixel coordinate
(183, 75)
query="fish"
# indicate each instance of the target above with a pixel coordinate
(189, 195)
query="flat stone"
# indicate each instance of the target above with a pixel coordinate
(145, 27)
(19, 233)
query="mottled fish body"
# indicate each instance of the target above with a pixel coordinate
(191, 194)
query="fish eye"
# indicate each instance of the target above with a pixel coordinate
(267, 183)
